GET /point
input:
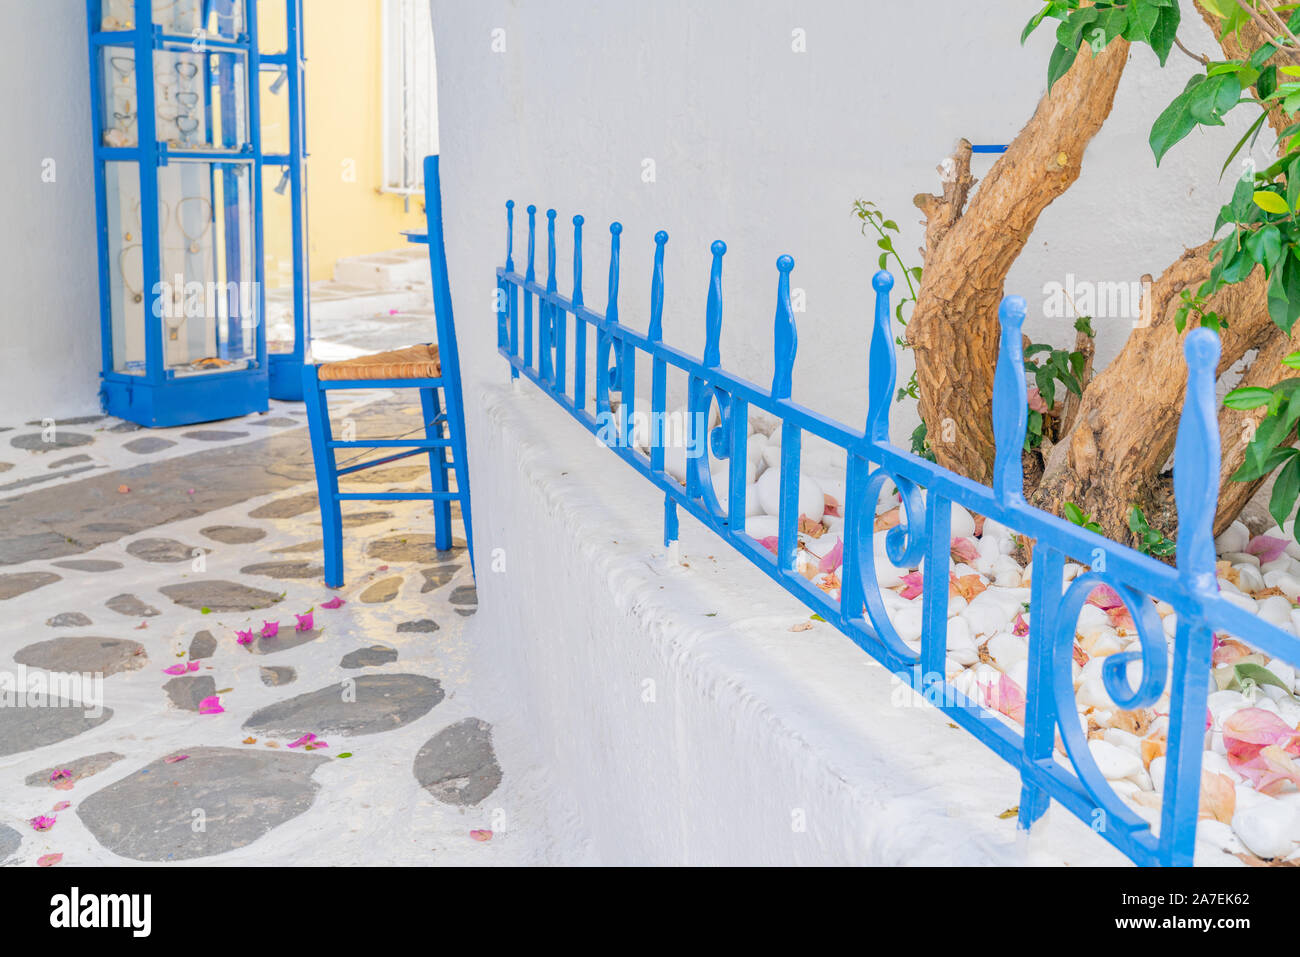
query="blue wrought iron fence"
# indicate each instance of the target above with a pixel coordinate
(1051, 752)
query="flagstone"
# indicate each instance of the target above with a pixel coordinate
(413, 548)
(242, 794)
(19, 583)
(131, 606)
(233, 534)
(81, 768)
(202, 646)
(466, 598)
(147, 444)
(214, 435)
(10, 841)
(438, 576)
(284, 570)
(37, 441)
(423, 626)
(370, 657)
(219, 596)
(161, 550)
(385, 589)
(68, 619)
(358, 706)
(89, 565)
(26, 729)
(186, 691)
(284, 640)
(275, 675)
(290, 507)
(81, 654)
(458, 765)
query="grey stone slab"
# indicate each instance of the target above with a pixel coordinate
(458, 764)
(89, 565)
(413, 548)
(84, 654)
(424, 626)
(42, 479)
(438, 576)
(75, 420)
(68, 619)
(385, 589)
(290, 507)
(126, 427)
(232, 534)
(273, 676)
(202, 646)
(284, 570)
(80, 768)
(131, 606)
(19, 583)
(242, 794)
(358, 519)
(277, 422)
(465, 598)
(70, 519)
(214, 435)
(6, 466)
(61, 439)
(148, 444)
(10, 841)
(186, 691)
(70, 460)
(26, 729)
(367, 704)
(286, 639)
(388, 476)
(371, 657)
(161, 551)
(219, 596)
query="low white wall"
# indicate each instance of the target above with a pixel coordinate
(683, 719)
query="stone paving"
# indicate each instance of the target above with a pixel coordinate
(128, 572)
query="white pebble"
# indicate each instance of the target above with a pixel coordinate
(1115, 763)
(1234, 539)
(1266, 828)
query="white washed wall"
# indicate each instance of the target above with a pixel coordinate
(767, 148)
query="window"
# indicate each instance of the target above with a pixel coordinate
(410, 95)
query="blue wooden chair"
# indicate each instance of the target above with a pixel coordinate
(430, 368)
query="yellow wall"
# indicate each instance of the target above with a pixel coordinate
(346, 215)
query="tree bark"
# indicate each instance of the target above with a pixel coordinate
(969, 251)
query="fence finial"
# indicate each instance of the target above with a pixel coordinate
(510, 235)
(713, 316)
(531, 274)
(656, 332)
(1010, 406)
(550, 250)
(1196, 461)
(882, 366)
(577, 260)
(786, 338)
(615, 231)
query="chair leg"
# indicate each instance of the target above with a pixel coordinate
(437, 469)
(327, 480)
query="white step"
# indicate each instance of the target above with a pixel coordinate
(387, 270)
(338, 300)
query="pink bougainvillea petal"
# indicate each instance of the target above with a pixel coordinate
(1267, 548)
(832, 559)
(770, 543)
(1036, 401)
(48, 860)
(61, 774)
(211, 705)
(913, 585)
(1269, 770)
(1006, 697)
(335, 602)
(175, 670)
(1250, 730)
(964, 550)
(305, 739)
(481, 834)
(194, 666)
(174, 758)
(1021, 627)
(1105, 598)
(42, 822)
(304, 621)
(270, 629)
(61, 806)
(244, 637)
(1218, 797)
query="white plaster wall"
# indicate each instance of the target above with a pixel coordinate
(767, 149)
(49, 289)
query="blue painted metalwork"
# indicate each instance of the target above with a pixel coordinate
(150, 392)
(286, 367)
(441, 403)
(1068, 775)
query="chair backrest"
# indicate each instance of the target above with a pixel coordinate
(448, 353)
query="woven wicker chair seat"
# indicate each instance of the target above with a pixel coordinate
(413, 362)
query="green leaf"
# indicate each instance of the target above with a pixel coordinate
(1264, 246)
(1286, 489)
(1241, 143)
(1074, 514)
(1176, 121)
(1259, 463)
(1249, 671)
(1292, 361)
(1059, 64)
(1284, 292)
(1271, 202)
(1250, 397)
(1165, 30)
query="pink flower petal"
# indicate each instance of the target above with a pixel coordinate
(1105, 598)
(964, 550)
(915, 585)
(770, 543)
(245, 637)
(48, 860)
(1268, 548)
(1269, 769)
(270, 629)
(335, 602)
(194, 666)
(62, 806)
(175, 670)
(174, 758)
(304, 622)
(42, 823)
(211, 705)
(1021, 628)
(305, 739)
(1250, 730)
(1006, 697)
(61, 774)
(481, 834)
(1036, 402)
(832, 559)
